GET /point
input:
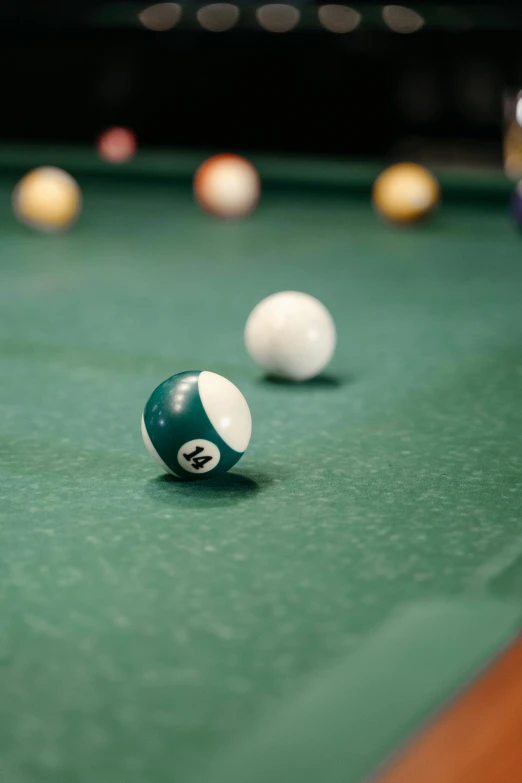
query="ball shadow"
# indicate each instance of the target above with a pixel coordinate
(227, 489)
(323, 381)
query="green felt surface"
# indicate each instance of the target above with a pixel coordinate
(298, 618)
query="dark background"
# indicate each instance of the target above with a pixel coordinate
(72, 69)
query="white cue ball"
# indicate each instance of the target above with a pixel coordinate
(48, 199)
(228, 186)
(290, 335)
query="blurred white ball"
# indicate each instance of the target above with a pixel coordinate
(290, 335)
(227, 186)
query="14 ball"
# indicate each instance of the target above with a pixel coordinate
(196, 425)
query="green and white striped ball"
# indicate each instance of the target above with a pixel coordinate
(196, 425)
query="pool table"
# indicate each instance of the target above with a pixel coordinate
(298, 619)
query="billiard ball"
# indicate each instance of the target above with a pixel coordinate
(117, 145)
(227, 186)
(48, 199)
(516, 205)
(290, 335)
(405, 193)
(196, 425)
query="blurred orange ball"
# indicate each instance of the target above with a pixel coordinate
(405, 193)
(227, 186)
(117, 145)
(48, 199)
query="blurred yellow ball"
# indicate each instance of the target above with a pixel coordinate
(48, 199)
(405, 193)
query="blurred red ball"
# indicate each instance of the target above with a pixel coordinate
(117, 145)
